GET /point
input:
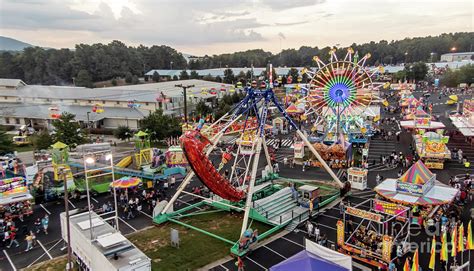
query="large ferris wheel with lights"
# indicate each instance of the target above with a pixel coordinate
(341, 91)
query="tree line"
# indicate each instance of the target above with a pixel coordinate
(99, 62)
(87, 63)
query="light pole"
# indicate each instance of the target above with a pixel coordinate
(431, 59)
(171, 65)
(66, 207)
(185, 100)
(406, 57)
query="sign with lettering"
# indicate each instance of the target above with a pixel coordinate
(364, 214)
(389, 207)
(410, 188)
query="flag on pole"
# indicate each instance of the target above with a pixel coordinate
(433, 254)
(406, 267)
(415, 265)
(454, 237)
(461, 238)
(470, 243)
(444, 248)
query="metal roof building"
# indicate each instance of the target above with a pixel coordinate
(22, 104)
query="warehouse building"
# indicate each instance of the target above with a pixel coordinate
(22, 104)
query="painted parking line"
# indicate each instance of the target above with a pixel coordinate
(96, 201)
(72, 204)
(125, 222)
(275, 252)
(42, 255)
(250, 259)
(284, 238)
(225, 268)
(47, 211)
(9, 260)
(46, 251)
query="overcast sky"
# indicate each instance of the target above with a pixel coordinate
(219, 26)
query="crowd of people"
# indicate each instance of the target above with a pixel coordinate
(10, 232)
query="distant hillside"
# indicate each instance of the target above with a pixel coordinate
(9, 44)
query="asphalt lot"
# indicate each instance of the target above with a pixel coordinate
(261, 258)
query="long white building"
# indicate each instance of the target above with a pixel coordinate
(22, 104)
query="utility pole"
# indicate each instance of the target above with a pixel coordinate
(68, 229)
(185, 88)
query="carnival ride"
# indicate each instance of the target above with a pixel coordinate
(338, 99)
(233, 181)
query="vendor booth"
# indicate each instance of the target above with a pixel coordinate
(418, 186)
(357, 177)
(379, 230)
(15, 199)
(432, 150)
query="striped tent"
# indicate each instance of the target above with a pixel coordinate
(417, 174)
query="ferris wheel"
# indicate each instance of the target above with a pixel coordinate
(341, 89)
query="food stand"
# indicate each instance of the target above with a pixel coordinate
(417, 187)
(431, 148)
(374, 238)
(357, 177)
(15, 199)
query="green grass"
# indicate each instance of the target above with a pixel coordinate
(56, 264)
(196, 249)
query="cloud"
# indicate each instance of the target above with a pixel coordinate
(292, 23)
(288, 4)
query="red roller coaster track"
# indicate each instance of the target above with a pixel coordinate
(193, 144)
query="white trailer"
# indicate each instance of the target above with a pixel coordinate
(107, 250)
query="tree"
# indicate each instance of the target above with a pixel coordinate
(416, 71)
(83, 79)
(175, 77)
(6, 144)
(450, 78)
(218, 79)
(183, 75)
(202, 109)
(467, 74)
(43, 140)
(294, 74)
(123, 133)
(194, 75)
(68, 131)
(156, 77)
(128, 78)
(135, 80)
(161, 126)
(114, 82)
(229, 76)
(208, 77)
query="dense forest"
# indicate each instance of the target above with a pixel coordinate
(98, 62)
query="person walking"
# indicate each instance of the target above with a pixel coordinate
(38, 225)
(13, 238)
(29, 242)
(45, 223)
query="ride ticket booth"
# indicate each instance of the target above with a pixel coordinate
(309, 192)
(357, 177)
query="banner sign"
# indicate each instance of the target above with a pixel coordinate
(389, 208)
(386, 248)
(364, 214)
(340, 233)
(409, 188)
